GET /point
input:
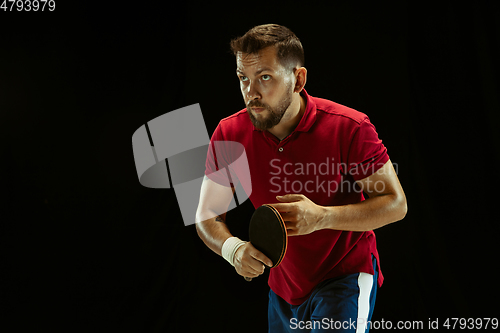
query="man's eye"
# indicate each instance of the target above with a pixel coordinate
(266, 77)
(243, 78)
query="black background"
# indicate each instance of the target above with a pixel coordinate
(86, 248)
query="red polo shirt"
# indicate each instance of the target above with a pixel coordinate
(331, 147)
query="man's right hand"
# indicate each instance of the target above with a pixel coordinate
(249, 262)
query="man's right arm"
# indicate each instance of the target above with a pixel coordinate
(211, 214)
(212, 229)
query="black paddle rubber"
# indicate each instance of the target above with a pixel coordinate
(267, 234)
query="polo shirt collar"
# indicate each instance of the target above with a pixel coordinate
(309, 116)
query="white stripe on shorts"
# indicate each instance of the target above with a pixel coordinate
(365, 283)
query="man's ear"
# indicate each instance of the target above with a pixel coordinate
(300, 79)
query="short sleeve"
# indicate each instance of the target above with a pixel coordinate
(366, 153)
(212, 169)
(226, 162)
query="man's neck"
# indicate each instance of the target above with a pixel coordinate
(291, 118)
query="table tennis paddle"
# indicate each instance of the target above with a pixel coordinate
(267, 232)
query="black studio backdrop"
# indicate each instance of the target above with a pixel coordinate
(86, 248)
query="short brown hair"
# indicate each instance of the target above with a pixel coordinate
(289, 48)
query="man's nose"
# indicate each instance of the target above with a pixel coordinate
(253, 92)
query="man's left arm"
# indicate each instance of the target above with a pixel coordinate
(386, 204)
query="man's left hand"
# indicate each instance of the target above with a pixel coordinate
(301, 215)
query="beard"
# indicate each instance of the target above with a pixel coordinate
(274, 115)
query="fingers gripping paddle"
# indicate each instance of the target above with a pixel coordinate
(267, 234)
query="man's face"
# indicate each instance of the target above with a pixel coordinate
(266, 86)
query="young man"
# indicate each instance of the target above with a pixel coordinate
(311, 159)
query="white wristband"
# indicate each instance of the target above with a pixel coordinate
(229, 248)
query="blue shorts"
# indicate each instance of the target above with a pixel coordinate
(342, 304)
